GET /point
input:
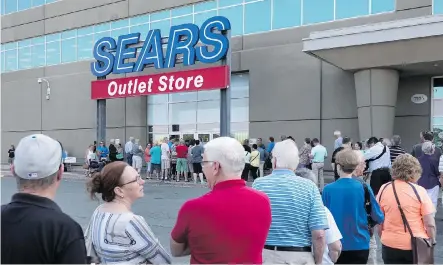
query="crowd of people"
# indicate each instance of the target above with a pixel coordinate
(290, 215)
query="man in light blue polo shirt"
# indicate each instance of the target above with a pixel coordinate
(318, 155)
(298, 215)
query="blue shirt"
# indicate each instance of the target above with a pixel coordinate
(104, 151)
(319, 154)
(270, 147)
(345, 198)
(156, 155)
(338, 142)
(296, 208)
(430, 175)
(262, 153)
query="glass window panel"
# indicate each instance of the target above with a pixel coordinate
(24, 43)
(53, 37)
(222, 3)
(380, 6)
(182, 113)
(209, 95)
(24, 58)
(11, 60)
(24, 4)
(69, 34)
(351, 8)
(438, 107)
(158, 114)
(38, 55)
(258, 17)
(208, 5)
(120, 23)
(437, 121)
(235, 15)
(100, 35)
(287, 13)
(181, 97)
(2, 9)
(10, 45)
(51, 1)
(208, 111)
(10, 6)
(202, 17)
(85, 31)
(180, 11)
(240, 86)
(85, 45)
(182, 20)
(240, 110)
(160, 15)
(38, 2)
(3, 62)
(139, 20)
(438, 92)
(163, 26)
(118, 32)
(313, 14)
(142, 29)
(158, 99)
(102, 27)
(438, 7)
(69, 50)
(53, 53)
(39, 40)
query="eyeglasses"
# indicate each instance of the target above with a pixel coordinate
(205, 162)
(137, 179)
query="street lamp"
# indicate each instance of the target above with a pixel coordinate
(48, 89)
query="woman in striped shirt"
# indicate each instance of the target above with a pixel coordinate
(115, 234)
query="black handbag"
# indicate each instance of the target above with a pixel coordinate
(422, 248)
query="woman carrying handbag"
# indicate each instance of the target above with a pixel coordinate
(408, 232)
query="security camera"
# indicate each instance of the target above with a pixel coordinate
(39, 80)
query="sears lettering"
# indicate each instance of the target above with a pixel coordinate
(115, 56)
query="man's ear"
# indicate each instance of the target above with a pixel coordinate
(60, 172)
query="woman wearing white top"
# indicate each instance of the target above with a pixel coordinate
(245, 174)
(333, 236)
(115, 235)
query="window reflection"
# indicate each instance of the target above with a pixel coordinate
(158, 114)
(208, 111)
(183, 97)
(183, 113)
(209, 95)
(240, 110)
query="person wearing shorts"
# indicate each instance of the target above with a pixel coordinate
(197, 158)
(182, 161)
(166, 160)
(156, 157)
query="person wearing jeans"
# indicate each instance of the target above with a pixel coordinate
(318, 155)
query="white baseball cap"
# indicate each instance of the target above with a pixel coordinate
(37, 156)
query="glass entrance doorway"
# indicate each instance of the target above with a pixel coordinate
(203, 137)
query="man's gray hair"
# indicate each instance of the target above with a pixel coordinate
(285, 155)
(428, 148)
(396, 140)
(306, 174)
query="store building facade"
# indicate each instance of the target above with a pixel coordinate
(300, 68)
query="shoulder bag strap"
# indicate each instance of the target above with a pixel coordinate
(403, 217)
(378, 157)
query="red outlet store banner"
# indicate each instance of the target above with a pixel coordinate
(165, 83)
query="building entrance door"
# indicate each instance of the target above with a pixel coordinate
(203, 137)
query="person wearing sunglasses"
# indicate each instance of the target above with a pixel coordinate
(115, 234)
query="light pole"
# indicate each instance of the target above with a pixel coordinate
(48, 88)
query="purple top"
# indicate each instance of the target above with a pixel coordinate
(430, 175)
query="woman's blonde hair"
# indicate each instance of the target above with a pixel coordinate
(406, 168)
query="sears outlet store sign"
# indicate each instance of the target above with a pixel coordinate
(113, 57)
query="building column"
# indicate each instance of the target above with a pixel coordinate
(376, 91)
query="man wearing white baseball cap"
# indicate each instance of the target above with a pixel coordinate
(34, 229)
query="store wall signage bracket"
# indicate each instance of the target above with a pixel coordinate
(188, 40)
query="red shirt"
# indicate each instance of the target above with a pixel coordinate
(182, 151)
(228, 225)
